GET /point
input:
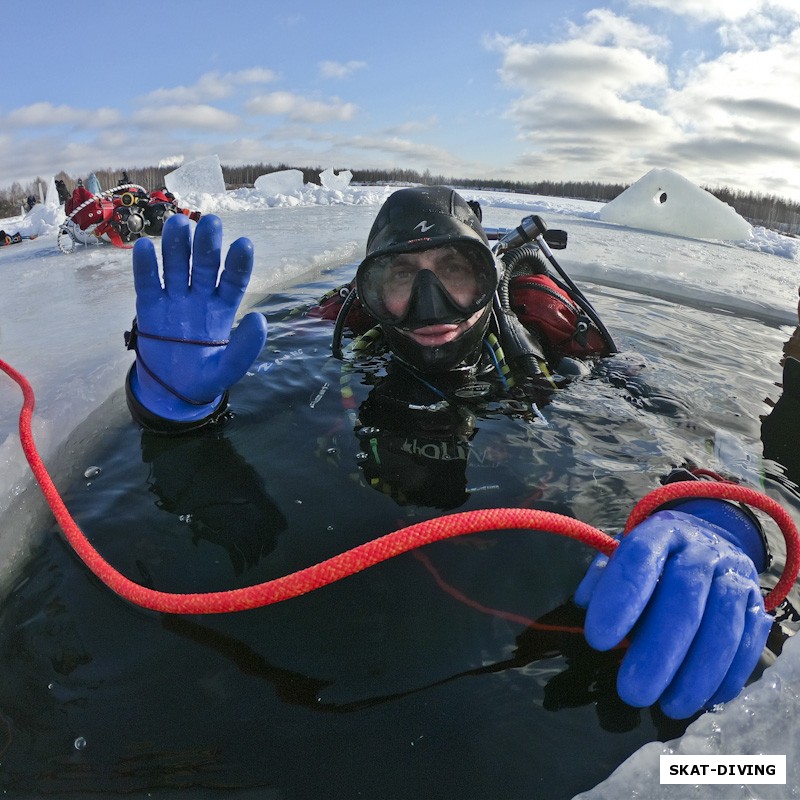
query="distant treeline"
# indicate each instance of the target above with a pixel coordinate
(767, 210)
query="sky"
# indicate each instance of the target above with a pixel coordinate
(517, 90)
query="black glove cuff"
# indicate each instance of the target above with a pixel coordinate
(152, 422)
(680, 474)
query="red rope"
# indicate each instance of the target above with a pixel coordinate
(371, 553)
(510, 616)
(741, 494)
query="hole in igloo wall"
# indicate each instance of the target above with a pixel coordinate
(660, 197)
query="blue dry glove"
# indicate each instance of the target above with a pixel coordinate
(184, 362)
(684, 588)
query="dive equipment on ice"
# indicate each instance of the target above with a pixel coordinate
(119, 215)
(13, 238)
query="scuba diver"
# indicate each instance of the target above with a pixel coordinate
(465, 324)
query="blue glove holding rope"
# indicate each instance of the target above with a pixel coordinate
(186, 357)
(683, 587)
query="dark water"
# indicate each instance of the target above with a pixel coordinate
(409, 680)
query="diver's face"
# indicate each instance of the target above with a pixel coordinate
(437, 335)
(453, 269)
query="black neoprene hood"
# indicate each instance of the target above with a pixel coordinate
(424, 217)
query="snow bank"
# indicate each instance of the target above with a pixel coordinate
(44, 219)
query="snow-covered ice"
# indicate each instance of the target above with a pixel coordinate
(762, 720)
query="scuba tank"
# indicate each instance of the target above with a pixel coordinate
(520, 248)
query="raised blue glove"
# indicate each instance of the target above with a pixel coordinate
(685, 591)
(185, 362)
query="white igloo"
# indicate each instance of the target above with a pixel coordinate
(665, 202)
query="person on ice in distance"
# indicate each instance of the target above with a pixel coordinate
(683, 586)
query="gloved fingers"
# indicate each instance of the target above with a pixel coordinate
(625, 585)
(206, 255)
(587, 585)
(247, 341)
(715, 645)
(666, 629)
(176, 251)
(757, 626)
(236, 275)
(146, 280)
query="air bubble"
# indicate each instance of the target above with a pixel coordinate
(80, 743)
(91, 472)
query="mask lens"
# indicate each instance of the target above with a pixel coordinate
(390, 286)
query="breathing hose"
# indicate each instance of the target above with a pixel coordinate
(385, 547)
(341, 318)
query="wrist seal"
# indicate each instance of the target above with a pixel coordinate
(156, 424)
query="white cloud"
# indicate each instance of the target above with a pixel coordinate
(337, 69)
(750, 89)
(413, 126)
(46, 115)
(398, 146)
(601, 104)
(741, 24)
(604, 27)
(759, 30)
(581, 99)
(578, 67)
(718, 10)
(179, 117)
(308, 145)
(301, 109)
(211, 86)
(741, 116)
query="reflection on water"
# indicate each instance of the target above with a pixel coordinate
(459, 671)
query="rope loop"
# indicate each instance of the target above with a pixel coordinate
(385, 547)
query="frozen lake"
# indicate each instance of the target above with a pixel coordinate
(708, 319)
